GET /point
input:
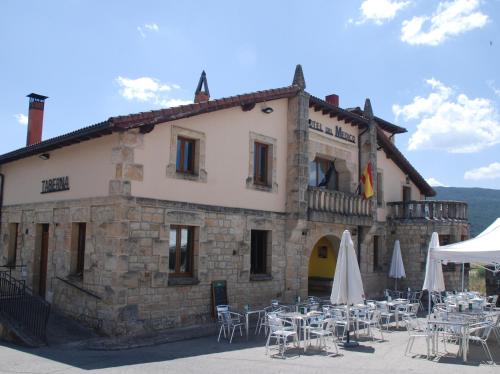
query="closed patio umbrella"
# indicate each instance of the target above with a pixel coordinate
(397, 269)
(347, 284)
(434, 281)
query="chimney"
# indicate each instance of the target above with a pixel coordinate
(199, 95)
(35, 118)
(332, 99)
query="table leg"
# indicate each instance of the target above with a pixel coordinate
(247, 323)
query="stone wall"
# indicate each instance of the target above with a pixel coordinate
(126, 287)
(414, 236)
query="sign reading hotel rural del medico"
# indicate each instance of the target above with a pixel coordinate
(55, 184)
(339, 133)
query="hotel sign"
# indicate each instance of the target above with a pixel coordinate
(55, 184)
(339, 132)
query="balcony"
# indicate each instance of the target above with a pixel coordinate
(432, 210)
(339, 207)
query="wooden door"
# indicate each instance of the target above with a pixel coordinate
(44, 251)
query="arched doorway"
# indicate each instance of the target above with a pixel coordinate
(322, 263)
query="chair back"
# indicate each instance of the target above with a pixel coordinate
(275, 323)
(225, 317)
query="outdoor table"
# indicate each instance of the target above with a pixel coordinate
(393, 305)
(435, 324)
(247, 314)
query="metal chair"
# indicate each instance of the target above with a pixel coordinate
(279, 331)
(479, 333)
(230, 321)
(322, 331)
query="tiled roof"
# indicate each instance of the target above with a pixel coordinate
(400, 160)
(385, 125)
(146, 120)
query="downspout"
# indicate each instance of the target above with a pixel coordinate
(2, 177)
(360, 228)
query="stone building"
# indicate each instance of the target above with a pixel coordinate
(125, 224)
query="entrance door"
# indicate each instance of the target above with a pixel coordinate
(44, 251)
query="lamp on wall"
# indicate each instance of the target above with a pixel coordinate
(44, 156)
(267, 110)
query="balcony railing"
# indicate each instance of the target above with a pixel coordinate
(338, 202)
(429, 210)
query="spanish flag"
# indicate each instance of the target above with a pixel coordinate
(367, 181)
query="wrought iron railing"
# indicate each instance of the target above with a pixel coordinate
(19, 306)
(321, 199)
(428, 209)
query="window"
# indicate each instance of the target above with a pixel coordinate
(262, 163)
(376, 253)
(180, 262)
(380, 190)
(322, 173)
(79, 231)
(185, 155)
(12, 253)
(261, 166)
(260, 260)
(445, 240)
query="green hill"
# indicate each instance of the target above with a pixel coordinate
(484, 204)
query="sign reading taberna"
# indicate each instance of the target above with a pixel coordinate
(339, 133)
(55, 184)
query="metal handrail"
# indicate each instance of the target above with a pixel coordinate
(19, 305)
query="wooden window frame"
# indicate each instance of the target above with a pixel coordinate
(190, 243)
(263, 268)
(179, 162)
(261, 177)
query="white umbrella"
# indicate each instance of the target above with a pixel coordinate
(434, 281)
(397, 269)
(347, 284)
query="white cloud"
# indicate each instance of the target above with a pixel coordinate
(450, 18)
(450, 121)
(495, 90)
(434, 182)
(21, 118)
(492, 171)
(380, 11)
(153, 27)
(147, 89)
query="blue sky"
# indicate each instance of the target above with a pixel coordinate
(430, 66)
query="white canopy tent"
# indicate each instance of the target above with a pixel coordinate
(484, 249)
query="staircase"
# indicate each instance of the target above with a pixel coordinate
(23, 314)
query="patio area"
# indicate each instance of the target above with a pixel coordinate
(205, 355)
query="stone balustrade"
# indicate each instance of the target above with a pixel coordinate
(429, 210)
(338, 202)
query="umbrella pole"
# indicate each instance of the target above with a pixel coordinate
(396, 284)
(349, 343)
(463, 276)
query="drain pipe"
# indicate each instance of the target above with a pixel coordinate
(2, 177)
(360, 228)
